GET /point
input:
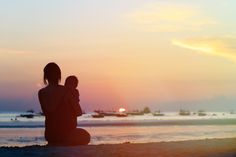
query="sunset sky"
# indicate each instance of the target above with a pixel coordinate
(165, 54)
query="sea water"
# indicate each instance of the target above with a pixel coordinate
(20, 131)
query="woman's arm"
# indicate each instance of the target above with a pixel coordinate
(41, 100)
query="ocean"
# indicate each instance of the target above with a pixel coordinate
(22, 131)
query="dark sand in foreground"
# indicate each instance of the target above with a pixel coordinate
(198, 148)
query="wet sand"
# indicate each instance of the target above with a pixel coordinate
(198, 148)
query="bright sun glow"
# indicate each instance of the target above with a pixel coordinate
(122, 110)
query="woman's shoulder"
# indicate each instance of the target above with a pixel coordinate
(61, 87)
(42, 90)
(53, 89)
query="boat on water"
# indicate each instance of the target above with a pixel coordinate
(158, 113)
(106, 113)
(27, 115)
(201, 113)
(184, 113)
(101, 114)
(121, 115)
(30, 114)
(97, 115)
(109, 113)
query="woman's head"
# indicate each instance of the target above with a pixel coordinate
(52, 74)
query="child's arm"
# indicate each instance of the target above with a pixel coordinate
(73, 100)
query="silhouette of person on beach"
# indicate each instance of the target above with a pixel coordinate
(71, 83)
(61, 109)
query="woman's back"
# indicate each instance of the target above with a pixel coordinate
(59, 113)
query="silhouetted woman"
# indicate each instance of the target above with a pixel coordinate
(61, 110)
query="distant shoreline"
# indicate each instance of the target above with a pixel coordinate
(157, 122)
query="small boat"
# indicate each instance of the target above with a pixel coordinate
(201, 113)
(121, 115)
(27, 115)
(184, 113)
(97, 115)
(15, 119)
(107, 113)
(158, 113)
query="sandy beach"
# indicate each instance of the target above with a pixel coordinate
(197, 148)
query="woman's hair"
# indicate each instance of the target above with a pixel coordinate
(52, 73)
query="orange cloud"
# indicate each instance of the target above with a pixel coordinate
(216, 46)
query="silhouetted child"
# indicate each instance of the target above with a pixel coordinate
(72, 83)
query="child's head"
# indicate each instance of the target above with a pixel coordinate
(71, 81)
